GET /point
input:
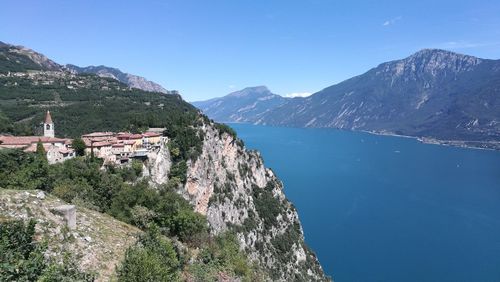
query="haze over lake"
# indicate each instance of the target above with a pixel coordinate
(381, 208)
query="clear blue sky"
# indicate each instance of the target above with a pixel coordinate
(210, 48)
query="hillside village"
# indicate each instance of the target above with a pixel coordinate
(113, 148)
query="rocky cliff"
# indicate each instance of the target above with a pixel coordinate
(233, 188)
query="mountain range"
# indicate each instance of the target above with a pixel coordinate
(433, 94)
(15, 58)
(131, 80)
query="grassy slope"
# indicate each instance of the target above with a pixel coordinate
(98, 242)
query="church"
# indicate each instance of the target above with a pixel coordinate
(57, 149)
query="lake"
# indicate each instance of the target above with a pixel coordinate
(382, 208)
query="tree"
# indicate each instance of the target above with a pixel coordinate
(79, 146)
(40, 150)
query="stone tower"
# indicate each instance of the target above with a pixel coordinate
(48, 126)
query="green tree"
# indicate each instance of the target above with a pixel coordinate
(21, 258)
(40, 150)
(79, 146)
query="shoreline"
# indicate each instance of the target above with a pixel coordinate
(481, 145)
(434, 141)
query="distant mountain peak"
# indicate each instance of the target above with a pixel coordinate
(245, 105)
(251, 91)
(432, 62)
(442, 55)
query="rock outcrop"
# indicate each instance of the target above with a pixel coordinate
(233, 188)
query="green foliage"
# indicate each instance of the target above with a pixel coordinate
(224, 128)
(222, 254)
(22, 258)
(92, 108)
(186, 142)
(40, 150)
(65, 271)
(283, 243)
(267, 206)
(79, 146)
(152, 258)
(178, 171)
(136, 167)
(19, 170)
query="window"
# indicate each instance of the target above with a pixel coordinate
(48, 126)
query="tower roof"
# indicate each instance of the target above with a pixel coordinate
(48, 118)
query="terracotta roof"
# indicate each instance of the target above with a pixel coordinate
(123, 135)
(49, 147)
(136, 136)
(151, 134)
(32, 147)
(27, 140)
(48, 118)
(101, 144)
(99, 134)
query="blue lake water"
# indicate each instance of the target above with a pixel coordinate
(380, 208)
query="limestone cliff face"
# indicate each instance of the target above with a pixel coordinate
(231, 186)
(158, 164)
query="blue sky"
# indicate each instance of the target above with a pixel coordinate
(210, 48)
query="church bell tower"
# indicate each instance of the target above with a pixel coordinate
(48, 126)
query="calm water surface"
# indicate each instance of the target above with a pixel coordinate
(379, 208)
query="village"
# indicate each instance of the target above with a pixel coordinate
(113, 148)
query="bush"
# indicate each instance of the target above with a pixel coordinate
(22, 258)
(152, 258)
(222, 254)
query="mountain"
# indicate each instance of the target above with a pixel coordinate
(436, 95)
(225, 211)
(246, 105)
(131, 80)
(19, 58)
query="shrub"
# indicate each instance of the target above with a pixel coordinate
(22, 258)
(152, 258)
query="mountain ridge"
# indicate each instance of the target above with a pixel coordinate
(131, 80)
(17, 56)
(432, 94)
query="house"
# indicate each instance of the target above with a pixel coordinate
(150, 139)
